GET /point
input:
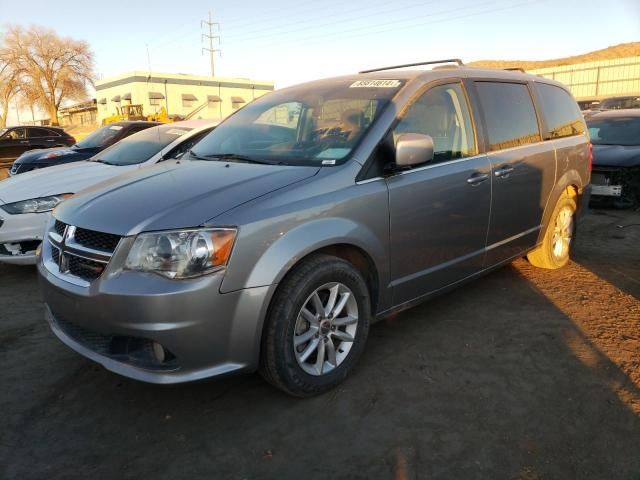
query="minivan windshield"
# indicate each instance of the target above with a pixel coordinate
(140, 146)
(100, 137)
(312, 124)
(623, 131)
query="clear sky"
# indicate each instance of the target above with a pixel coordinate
(290, 41)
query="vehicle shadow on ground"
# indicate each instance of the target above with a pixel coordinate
(608, 245)
(494, 380)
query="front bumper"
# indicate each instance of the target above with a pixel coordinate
(118, 317)
(20, 235)
(615, 181)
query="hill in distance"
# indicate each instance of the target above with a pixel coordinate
(618, 51)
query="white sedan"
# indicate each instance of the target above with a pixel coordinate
(26, 200)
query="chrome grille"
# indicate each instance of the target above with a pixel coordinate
(59, 227)
(55, 255)
(97, 240)
(77, 254)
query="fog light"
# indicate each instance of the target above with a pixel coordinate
(39, 250)
(159, 352)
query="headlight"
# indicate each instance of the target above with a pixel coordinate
(35, 205)
(181, 253)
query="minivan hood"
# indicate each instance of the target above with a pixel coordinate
(616, 155)
(174, 194)
(66, 178)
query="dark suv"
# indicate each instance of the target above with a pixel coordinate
(308, 214)
(102, 138)
(14, 141)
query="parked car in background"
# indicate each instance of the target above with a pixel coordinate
(27, 200)
(619, 103)
(102, 138)
(309, 213)
(615, 179)
(14, 141)
(587, 105)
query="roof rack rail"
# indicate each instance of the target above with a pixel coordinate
(448, 60)
(515, 69)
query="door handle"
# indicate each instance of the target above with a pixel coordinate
(503, 172)
(477, 179)
(24, 141)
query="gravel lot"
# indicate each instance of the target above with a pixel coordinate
(525, 374)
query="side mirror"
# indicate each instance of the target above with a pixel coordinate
(413, 149)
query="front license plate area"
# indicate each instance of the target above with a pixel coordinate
(606, 190)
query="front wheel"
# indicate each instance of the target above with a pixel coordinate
(556, 245)
(316, 328)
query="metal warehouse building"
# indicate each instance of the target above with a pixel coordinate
(598, 79)
(211, 97)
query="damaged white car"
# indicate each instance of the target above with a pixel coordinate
(26, 200)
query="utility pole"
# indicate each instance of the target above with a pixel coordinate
(212, 51)
(148, 58)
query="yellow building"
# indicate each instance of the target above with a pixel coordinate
(598, 79)
(180, 94)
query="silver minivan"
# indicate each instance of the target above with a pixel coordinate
(310, 213)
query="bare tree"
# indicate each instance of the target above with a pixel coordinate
(51, 68)
(8, 89)
(28, 98)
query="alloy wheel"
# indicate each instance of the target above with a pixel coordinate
(325, 329)
(562, 233)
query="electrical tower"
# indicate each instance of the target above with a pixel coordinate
(212, 51)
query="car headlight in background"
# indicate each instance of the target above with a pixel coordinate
(181, 253)
(35, 205)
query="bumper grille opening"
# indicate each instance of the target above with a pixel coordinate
(85, 269)
(134, 351)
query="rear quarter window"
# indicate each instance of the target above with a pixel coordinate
(41, 133)
(509, 114)
(560, 111)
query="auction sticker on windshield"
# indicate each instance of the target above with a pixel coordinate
(376, 84)
(115, 127)
(176, 131)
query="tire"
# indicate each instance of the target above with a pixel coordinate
(283, 363)
(549, 254)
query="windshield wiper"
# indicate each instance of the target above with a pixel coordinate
(196, 156)
(234, 157)
(99, 160)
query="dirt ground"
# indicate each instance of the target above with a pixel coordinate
(524, 374)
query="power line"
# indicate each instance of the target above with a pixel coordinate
(180, 32)
(384, 27)
(278, 14)
(212, 51)
(288, 29)
(183, 30)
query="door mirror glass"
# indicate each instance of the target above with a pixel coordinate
(413, 149)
